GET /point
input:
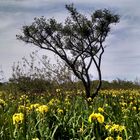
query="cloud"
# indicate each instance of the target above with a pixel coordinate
(121, 57)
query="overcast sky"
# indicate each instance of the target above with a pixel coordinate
(122, 55)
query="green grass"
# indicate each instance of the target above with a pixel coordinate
(66, 114)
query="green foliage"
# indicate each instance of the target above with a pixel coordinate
(67, 116)
(26, 84)
(119, 84)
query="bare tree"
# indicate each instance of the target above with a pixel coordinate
(40, 67)
(78, 42)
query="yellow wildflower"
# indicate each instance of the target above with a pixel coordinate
(58, 90)
(134, 108)
(125, 117)
(121, 128)
(18, 118)
(23, 108)
(35, 139)
(131, 103)
(107, 126)
(2, 103)
(67, 101)
(42, 109)
(106, 105)
(131, 98)
(34, 106)
(115, 127)
(89, 99)
(109, 138)
(53, 102)
(100, 118)
(60, 111)
(92, 117)
(123, 104)
(96, 116)
(124, 110)
(119, 138)
(100, 109)
(23, 97)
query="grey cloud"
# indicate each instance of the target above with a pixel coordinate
(121, 58)
(36, 6)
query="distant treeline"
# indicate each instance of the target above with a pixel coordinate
(26, 84)
(120, 84)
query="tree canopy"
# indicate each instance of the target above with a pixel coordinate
(78, 41)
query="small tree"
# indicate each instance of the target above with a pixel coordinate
(78, 42)
(38, 74)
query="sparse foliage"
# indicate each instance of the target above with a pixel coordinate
(78, 42)
(38, 74)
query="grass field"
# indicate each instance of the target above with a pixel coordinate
(66, 115)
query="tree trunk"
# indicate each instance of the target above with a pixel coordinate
(98, 86)
(87, 90)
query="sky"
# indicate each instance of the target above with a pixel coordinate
(122, 54)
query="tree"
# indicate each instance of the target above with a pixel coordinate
(78, 42)
(38, 74)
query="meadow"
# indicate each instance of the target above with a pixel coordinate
(68, 115)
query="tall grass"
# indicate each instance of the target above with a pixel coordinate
(114, 114)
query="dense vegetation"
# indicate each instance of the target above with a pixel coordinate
(65, 115)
